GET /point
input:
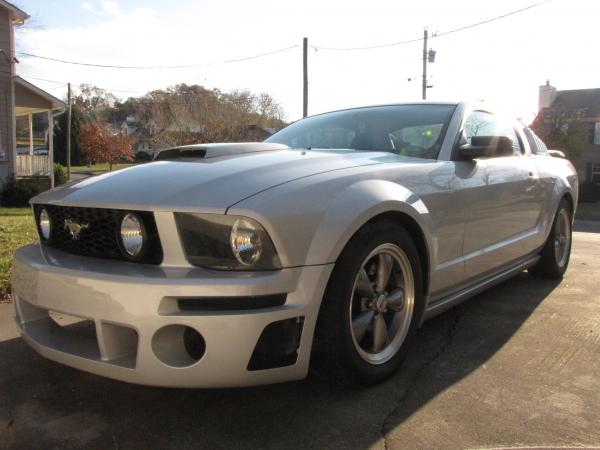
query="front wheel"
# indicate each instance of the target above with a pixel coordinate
(372, 305)
(554, 257)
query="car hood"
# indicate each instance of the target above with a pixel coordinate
(196, 184)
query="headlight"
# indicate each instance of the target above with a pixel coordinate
(132, 235)
(226, 242)
(246, 242)
(44, 224)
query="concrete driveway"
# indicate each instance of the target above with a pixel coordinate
(516, 366)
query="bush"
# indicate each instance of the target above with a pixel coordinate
(60, 174)
(142, 156)
(16, 193)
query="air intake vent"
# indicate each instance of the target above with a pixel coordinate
(205, 151)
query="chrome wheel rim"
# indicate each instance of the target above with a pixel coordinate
(562, 237)
(382, 304)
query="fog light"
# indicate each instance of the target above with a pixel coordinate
(44, 224)
(132, 235)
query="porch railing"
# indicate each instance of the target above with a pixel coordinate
(33, 165)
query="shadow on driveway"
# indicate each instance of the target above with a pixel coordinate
(587, 226)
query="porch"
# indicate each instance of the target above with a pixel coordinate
(34, 152)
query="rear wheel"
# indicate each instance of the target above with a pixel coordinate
(372, 305)
(555, 255)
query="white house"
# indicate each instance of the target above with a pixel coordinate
(19, 97)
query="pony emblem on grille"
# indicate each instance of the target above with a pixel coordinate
(75, 228)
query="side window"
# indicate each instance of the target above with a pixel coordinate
(540, 145)
(537, 145)
(481, 123)
(533, 145)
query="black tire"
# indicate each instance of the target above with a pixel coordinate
(337, 354)
(550, 265)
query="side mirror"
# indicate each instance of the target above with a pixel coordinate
(486, 147)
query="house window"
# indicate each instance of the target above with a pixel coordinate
(595, 173)
(594, 133)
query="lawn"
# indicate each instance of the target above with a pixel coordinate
(16, 229)
(100, 167)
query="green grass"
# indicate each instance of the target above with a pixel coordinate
(16, 229)
(98, 167)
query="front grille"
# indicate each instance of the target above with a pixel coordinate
(101, 238)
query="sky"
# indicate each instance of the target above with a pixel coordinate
(500, 64)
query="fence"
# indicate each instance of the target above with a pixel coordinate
(33, 165)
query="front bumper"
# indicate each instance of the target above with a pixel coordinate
(123, 305)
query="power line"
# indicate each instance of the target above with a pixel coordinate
(483, 22)
(445, 33)
(43, 79)
(62, 84)
(187, 66)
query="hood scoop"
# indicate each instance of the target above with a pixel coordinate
(205, 151)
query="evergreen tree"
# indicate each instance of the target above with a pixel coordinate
(60, 138)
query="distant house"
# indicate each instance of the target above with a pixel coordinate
(582, 106)
(185, 126)
(129, 125)
(143, 140)
(143, 133)
(18, 97)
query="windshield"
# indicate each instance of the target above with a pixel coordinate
(409, 130)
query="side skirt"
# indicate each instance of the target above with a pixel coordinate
(445, 303)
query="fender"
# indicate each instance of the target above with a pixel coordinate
(564, 181)
(316, 228)
(355, 206)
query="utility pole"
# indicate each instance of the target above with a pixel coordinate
(425, 35)
(305, 78)
(68, 131)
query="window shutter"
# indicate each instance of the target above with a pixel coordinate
(588, 172)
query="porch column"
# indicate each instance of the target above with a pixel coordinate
(51, 147)
(30, 159)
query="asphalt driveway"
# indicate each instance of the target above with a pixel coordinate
(516, 366)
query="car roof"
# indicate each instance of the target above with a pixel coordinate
(421, 102)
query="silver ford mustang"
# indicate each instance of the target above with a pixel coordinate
(225, 264)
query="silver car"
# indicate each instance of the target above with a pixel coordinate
(226, 264)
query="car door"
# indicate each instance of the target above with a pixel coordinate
(502, 200)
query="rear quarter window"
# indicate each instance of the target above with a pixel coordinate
(535, 143)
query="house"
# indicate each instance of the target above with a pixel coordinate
(18, 97)
(142, 132)
(129, 125)
(581, 106)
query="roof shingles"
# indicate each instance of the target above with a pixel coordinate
(570, 102)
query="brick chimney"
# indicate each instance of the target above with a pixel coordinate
(546, 96)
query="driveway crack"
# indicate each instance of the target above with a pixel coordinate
(415, 379)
